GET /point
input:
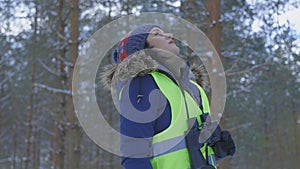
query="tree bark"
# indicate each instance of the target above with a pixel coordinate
(36, 149)
(97, 163)
(214, 29)
(267, 132)
(189, 8)
(2, 93)
(73, 130)
(296, 130)
(59, 125)
(8, 15)
(31, 106)
(214, 33)
(279, 152)
(15, 145)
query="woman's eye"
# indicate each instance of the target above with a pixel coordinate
(156, 33)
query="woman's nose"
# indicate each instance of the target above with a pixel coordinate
(169, 35)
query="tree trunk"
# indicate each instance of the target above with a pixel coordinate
(296, 128)
(189, 8)
(36, 149)
(32, 90)
(110, 155)
(73, 130)
(214, 33)
(15, 145)
(279, 152)
(267, 142)
(8, 14)
(2, 102)
(59, 126)
(97, 163)
(214, 29)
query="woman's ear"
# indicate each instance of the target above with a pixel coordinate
(147, 45)
(150, 46)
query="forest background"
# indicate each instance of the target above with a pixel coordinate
(40, 42)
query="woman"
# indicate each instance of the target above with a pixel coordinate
(159, 105)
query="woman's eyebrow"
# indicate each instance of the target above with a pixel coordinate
(156, 29)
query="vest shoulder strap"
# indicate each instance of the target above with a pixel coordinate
(204, 99)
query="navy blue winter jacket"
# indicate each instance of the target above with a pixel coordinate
(142, 86)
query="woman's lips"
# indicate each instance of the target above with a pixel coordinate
(171, 42)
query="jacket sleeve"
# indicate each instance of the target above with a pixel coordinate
(136, 138)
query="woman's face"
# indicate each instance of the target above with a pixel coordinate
(157, 38)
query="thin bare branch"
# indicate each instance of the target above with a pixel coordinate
(247, 70)
(4, 160)
(237, 60)
(4, 133)
(52, 89)
(244, 125)
(65, 61)
(2, 99)
(4, 81)
(48, 68)
(62, 37)
(51, 133)
(245, 90)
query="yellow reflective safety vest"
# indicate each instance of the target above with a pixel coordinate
(169, 147)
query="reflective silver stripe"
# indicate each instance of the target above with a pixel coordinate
(209, 160)
(212, 159)
(168, 146)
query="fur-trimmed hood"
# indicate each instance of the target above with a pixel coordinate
(140, 64)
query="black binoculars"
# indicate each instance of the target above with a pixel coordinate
(211, 135)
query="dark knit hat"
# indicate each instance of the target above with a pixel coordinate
(133, 42)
